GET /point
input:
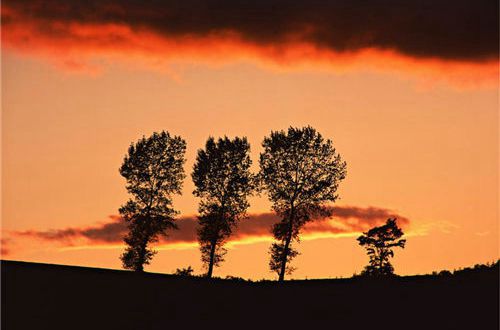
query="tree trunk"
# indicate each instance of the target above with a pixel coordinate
(287, 246)
(381, 264)
(214, 245)
(285, 255)
(144, 243)
(212, 256)
(142, 257)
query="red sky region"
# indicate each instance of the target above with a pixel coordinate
(82, 46)
(415, 119)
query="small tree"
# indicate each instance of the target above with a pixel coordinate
(153, 169)
(223, 182)
(300, 172)
(188, 271)
(379, 243)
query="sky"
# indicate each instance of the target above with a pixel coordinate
(407, 92)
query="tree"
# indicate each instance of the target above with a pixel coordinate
(300, 172)
(153, 169)
(379, 243)
(188, 271)
(223, 182)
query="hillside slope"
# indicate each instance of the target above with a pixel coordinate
(42, 296)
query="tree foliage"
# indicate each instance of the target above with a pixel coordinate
(153, 169)
(223, 183)
(300, 171)
(277, 253)
(379, 243)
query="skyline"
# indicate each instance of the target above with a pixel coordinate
(418, 126)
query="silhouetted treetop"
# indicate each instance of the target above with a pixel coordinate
(154, 171)
(221, 174)
(300, 167)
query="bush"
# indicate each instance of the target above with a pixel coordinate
(188, 271)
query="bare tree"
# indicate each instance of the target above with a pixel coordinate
(153, 169)
(300, 171)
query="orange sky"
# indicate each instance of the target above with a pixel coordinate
(420, 137)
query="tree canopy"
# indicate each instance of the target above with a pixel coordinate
(300, 172)
(153, 169)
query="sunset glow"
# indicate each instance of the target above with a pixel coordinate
(416, 122)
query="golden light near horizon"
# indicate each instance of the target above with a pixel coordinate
(417, 123)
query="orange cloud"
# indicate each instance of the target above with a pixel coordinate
(87, 37)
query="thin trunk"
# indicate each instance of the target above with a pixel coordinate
(214, 245)
(143, 246)
(212, 256)
(287, 246)
(142, 257)
(381, 263)
(290, 230)
(285, 255)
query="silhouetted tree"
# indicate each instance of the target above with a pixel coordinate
(188, 271)
(300, 172)
(223, 182)
(379, 243)
(154, 172)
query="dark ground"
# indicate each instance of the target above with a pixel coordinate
(42, 296)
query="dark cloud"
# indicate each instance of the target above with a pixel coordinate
(366, 215)
(348, 219)
(446, 29)
(110, 232)
(345, 219)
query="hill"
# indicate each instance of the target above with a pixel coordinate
(43, 296)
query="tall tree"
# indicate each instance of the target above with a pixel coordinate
(153, 169)
(379, 243)
(223, 182)
(300, 171)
